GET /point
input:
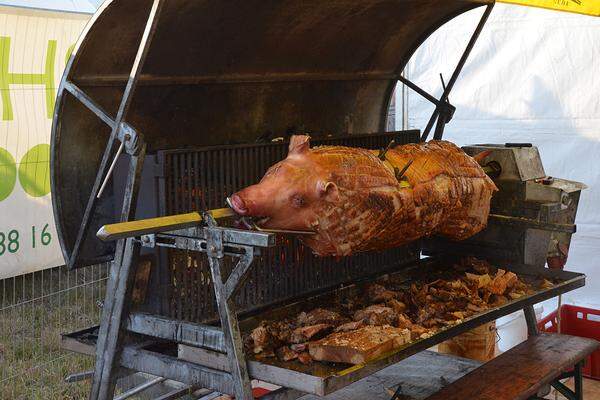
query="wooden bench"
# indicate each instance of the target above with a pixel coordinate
(521, 372)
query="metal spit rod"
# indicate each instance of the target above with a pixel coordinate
(251, 224)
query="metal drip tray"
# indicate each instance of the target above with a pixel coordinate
(318, 378)
(323, 378)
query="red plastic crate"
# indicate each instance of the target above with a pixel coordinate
(577, 321)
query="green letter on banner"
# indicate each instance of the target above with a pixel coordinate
(8, 173)
(8, 78)
(34, 171)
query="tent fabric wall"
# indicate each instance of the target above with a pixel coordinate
(532, 77)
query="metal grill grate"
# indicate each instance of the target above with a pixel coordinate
(203, 178)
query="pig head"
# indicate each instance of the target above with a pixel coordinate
(291, 192)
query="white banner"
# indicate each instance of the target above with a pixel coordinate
(34, 48)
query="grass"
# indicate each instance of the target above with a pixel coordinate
(34, 310)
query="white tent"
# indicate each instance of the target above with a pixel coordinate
(532, 77)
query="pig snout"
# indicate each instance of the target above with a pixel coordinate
(252, 201)
(238, 204)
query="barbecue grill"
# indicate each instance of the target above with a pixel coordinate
(166, 108)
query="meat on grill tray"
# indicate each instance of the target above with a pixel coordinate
(388, 314)
(359, 200)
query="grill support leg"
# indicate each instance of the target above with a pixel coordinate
(118, 288)
(530, 318)
(224, 293)
(578, 377)
(118, 291)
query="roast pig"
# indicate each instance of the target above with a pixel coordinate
(355, 199)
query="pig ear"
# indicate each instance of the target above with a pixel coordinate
(299, 144)
(328, 191)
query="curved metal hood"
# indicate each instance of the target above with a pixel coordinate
(221, 72)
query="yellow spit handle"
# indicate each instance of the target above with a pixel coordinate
(155, 225)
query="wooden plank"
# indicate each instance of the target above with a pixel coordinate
(522, 371)
(418, 376)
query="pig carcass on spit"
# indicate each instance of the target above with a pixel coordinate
(355, 200)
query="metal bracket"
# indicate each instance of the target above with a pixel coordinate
(445, 107)
(132, 139)
(148, 240)
(214, 242)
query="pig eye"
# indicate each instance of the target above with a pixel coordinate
(298, 201)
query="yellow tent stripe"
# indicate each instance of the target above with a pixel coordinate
(588, 7)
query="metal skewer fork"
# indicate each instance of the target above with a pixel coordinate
(250, 224)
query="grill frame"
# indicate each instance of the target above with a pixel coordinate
(189, 295)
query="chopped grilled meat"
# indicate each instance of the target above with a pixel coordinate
(350, 326)
(281, 330)
(516, 294)
(262, 339)
(284, 353)
(299, 347)
(305, 358)
(267, 353)
(398, 306)
(306, 333)
(348, 304)
(377, 314)
(359, 346)
(481, 280)
(421, 309)
(320, 316)
(546, 284)
(481, 267)
(416, 330)
(497, 301)
(379, 294)
(474, 307)
(502, 281)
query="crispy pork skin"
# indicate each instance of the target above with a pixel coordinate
(356, 202)
(359, 346)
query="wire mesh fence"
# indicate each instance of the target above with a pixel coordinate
(35, 309)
